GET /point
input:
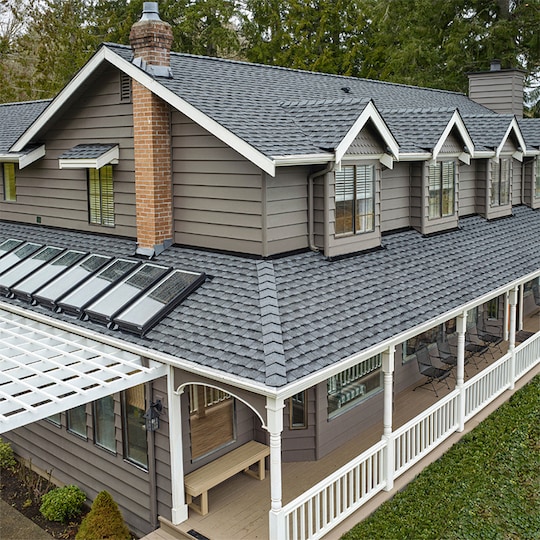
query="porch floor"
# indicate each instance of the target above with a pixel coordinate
(239, 507)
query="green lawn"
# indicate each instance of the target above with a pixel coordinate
(487, 486)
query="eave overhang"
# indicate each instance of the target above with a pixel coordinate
(89, 156)
(25, 157)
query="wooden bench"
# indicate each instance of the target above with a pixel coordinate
(208, 476)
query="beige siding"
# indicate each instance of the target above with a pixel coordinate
(395, 197)
(517, 180)
(286, 210)
(59, 197)
(500, 91)
(417, 205)
(453, 143)
(217, 193)
(300, 444)
(469, 179)
(367, 142)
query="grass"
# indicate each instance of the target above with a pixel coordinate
(487, 486)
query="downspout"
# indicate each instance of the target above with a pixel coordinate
(311, 225)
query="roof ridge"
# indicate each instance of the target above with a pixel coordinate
(29, 102)
(272, 337)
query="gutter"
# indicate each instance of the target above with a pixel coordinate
(311, 233)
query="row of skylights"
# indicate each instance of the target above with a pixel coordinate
(121, 293)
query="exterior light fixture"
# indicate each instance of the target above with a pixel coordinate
(151, 416)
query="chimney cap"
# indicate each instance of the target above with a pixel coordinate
(495, 65)
(150, 12)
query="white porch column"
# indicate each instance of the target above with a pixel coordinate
(179, 508)
(513, 298)
(388, 366)
(274, 409)
(460, 372)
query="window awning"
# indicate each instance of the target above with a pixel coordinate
(89, 156)
(46, 370)
(25, 157)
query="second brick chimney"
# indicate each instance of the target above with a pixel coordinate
(151, 40)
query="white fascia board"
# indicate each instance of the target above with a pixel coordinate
(522, 147)
(416, 156)
(58, 102)
(305, 159)
(484, 154)
(370, 112)
(111, 157)
(105, 54)
(23, 159)
(455, 121)
(236, 143)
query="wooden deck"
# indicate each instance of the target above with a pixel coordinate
(240, 506)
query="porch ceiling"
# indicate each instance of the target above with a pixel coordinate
(45, 370)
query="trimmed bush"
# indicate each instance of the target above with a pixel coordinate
(104, 521)
(7, 459)
(62, 504)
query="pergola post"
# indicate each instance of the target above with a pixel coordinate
(461, 328)
(512, 298)
(179, 510)
(274, 409)
(388, 366)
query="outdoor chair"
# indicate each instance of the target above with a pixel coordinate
(431, 372)
(447, 354)
(493, 340)
(475, 346)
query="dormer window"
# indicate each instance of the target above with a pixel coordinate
(442, 189)
(500, 182)
(355, 199)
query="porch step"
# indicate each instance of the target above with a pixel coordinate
(170, 531)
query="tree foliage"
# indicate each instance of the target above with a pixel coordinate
(430, 43)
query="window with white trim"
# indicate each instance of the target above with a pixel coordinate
(355, 199)
(101, 196)
(353, 385)
(442, 189)
(9, 182)
(500, 182)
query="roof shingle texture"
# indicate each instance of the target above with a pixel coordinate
(15, 119)
(276, 321)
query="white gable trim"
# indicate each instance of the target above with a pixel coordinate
(105, 54)
(370, 112)
(457, 122)
(23, 159)
(522, 147)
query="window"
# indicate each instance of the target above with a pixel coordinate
(76, 420)
(353, 385)
(298, 411)
(211, 418)
(55, 419)
(500, 182)
(104, 425)
(493, 308)
(135, 443)
(442, 184)
(101, 196)
(428, 337)
(537, 179)
(355, 199)
(8, 175)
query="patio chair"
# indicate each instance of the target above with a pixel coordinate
(431, 372)
(492, 339)
(475, 346)
(447, 354)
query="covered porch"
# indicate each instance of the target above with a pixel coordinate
(318, 495)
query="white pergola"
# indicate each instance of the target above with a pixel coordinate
(45, 370)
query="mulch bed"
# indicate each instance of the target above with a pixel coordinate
(17, 494)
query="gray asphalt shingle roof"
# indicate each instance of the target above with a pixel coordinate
(530, 127)
(15, 119)
(86, 151)
(276, 321)
(284, 111)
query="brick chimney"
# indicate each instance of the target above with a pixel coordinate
(500, 90)
(151, 40)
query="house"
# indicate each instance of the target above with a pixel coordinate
(253, 253)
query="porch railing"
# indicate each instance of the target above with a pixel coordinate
(317, 511)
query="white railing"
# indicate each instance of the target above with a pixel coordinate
(319, 509)
(324, 506)
(419, 436)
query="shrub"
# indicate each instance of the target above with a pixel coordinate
(104, 521)
(7, 459)
(62, 504)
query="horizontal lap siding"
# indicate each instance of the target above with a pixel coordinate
(59, 197)
(516, 182)
(286, 209)
(300, 444)
(395, 198)
(467, 189)
(217, 193)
